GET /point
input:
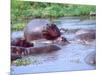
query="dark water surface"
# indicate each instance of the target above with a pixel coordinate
(71, 57)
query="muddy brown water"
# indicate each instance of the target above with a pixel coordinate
(71, 57)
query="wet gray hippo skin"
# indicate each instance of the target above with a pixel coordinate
(21, 51)
(21, 42)
(15, 56)
(91, 58)
(20, 47)
(41, 28)
(35, 30)
(17, 39)
(86, 36)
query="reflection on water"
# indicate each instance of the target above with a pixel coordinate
(76, 22)
(70, 57)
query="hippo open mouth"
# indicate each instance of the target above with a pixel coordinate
(51, 32)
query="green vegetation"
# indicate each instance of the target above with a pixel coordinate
(20, 62)
(22, 11)
(25, 61)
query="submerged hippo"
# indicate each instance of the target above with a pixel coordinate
(15, 56)
(20, 47)
(17, 39)
(21, 51)
(91, 58)
(21, 42)
(86, 37)
(41, 28)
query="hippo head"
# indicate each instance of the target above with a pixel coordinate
(51, 32)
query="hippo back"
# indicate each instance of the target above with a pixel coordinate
(33, 30)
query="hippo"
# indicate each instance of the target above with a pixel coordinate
(36, 29)
(17, 50)
(21, 42)
(41, 28)
(20, 47)
(18, 44)
(15, 56)
(86, 37)
(21, 51)
(17, 39)
(91, 58)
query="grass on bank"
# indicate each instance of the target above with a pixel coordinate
(23, 11)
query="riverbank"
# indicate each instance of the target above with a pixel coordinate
(22, 11)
